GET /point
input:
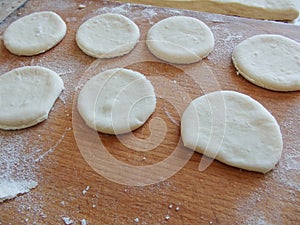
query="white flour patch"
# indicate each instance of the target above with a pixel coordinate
(127, 10)
(121, 9)
(248, 210)
(15, 162)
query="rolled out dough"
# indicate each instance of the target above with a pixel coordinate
(26, 96)
(180, 39)
(257, 9)
(107, 36)
(116, 101)
(269, 61)
(35, 33)
(234, 129)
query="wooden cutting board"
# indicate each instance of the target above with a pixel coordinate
(53, 152)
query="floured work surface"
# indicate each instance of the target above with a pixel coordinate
(69, 189)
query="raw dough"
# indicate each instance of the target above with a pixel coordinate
(257, 9)
(180, 39)
(10, 189)
(233, 128)
(107, 36)
(27, 95)
(269, 61)
(34, 33)
(116, 101)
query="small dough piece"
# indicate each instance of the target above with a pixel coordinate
(180, 39)
(233, 128)
(116, 101)
(107, 36)
(27, 94)
(35, 33)
(269, 61)
(10, 189)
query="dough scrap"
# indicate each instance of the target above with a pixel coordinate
(35, 33)
(180, 39)
(269, 61)
(108, 35)
(10, 189)
(116, 101)
(27, 94)
(234, 129)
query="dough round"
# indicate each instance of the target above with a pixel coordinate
(34, 33)
(26, 96)
(116, 101)
(107, 36)
(233, 128)
(180, 39)
(269, 61)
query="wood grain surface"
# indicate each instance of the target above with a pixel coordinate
(62, 156)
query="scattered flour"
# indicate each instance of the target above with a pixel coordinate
(71, 19)
(148, 14)
(50, 150)
(19, 161)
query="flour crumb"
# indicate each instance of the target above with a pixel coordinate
(83, 222)
(94, 206)
(85, 190)
(177, 208)
(67, 220)
(167, 217)
(170, 206)
(43, 215)
(62, 203)
(137, 220)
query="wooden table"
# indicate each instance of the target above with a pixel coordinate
(69, 187)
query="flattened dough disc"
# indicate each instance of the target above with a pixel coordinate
(35, 33)
(116, 101)
(108, 35)
(180, 39)
(27, 94)
(234, 129)
(269, 61)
